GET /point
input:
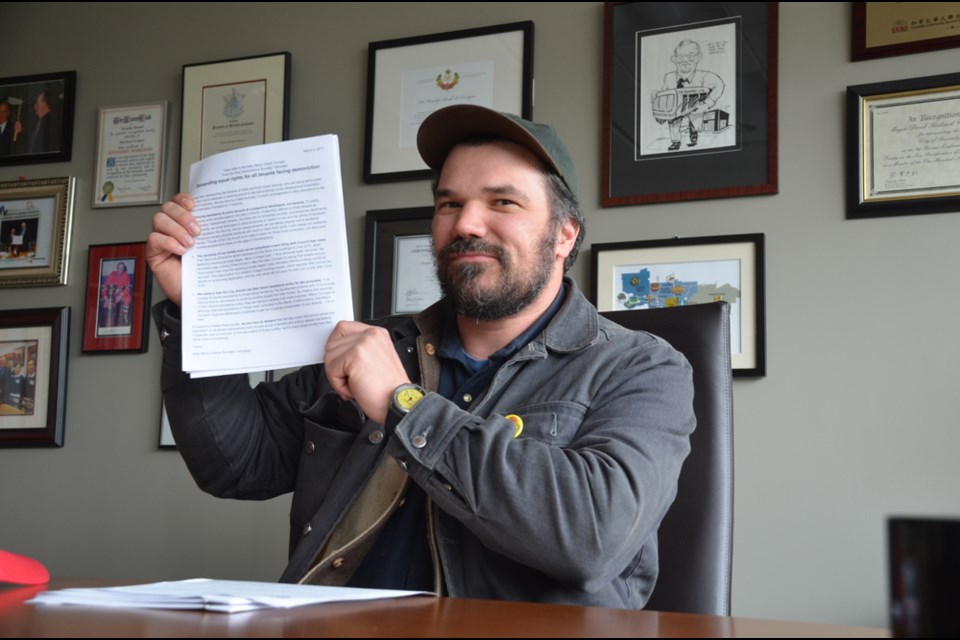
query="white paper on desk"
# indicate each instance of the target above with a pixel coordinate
(226, 596)
(269, 276)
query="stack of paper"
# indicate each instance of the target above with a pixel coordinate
(269, 276)
(226, 596)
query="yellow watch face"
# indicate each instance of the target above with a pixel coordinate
(408, 397)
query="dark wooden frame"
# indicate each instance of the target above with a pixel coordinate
(58, 320)
(750, 169)
(858, 39)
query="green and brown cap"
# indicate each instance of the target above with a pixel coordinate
(448, 127)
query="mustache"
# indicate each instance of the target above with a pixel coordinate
(464, 246)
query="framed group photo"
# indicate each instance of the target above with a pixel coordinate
(118, 296)
(35, 224)
(410, 78)
(36, 118)
(653, 274)
(230, 104)
(689, 102)
(33, 376)
(399, 277)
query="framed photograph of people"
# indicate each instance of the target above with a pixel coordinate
(410, 78)
(882, 29)
(33, 376)
(231, 104)
(652, 274)
(903, 147)
(35, 225)
(131, 148)
(118, 295)
(166, 434)
(36, 118)
(399, 277)
(690, 101)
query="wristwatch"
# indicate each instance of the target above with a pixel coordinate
(405, 398)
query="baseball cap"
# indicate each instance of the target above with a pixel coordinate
(444, 129)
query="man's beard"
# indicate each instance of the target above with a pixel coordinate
(509, 295)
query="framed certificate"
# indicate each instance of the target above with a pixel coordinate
(131, 148)
(882, 29)
(410, 78)
(903, 154)
(399, 277)
(232, 104)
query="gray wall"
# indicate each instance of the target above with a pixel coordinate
(855, 420)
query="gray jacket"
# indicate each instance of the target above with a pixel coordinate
(566, 513)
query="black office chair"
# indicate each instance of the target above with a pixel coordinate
(696, 536)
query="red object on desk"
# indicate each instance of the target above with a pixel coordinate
(21, 569)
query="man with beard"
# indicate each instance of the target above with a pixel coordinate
(506, 443)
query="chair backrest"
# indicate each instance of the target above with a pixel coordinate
(696, 536)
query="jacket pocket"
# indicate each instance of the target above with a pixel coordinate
(555, 422)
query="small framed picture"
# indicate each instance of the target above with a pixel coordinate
(131, 152)
(35, 224)
(118, 295)
(410, 78)
(33, 376)
(651, 274)
(166, 434)
(399, 277)
(230, 104)
(36, 118)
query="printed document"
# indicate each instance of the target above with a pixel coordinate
(269, 276)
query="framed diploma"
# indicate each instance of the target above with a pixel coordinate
(689, 101)
(652, 274)
(35, 223)
(410, 78)
(232, 104)
(903, 147)
(399, 277)
(131, 148)
(882, 29)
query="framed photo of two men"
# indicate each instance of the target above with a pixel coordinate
(36, 118)
(690, 101)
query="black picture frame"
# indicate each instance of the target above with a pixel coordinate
(383, 229)
(33, 414)
(717, 137)
(43, 137)
(890, 128)
(686, 266)
(497, 67)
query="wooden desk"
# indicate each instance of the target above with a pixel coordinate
(418, 617)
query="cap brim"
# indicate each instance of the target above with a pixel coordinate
(448, 127)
